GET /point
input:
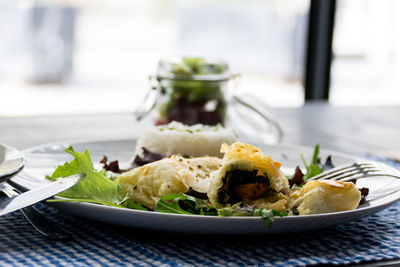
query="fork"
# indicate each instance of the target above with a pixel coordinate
(36, 219)
(360, 170)
(355, 171)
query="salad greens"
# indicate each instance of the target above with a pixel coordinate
(96, 187)
(268, 215)
(184, 204)
(314, 167)
(133, 205)
(239, 210)
(298, 179)
(196, 66)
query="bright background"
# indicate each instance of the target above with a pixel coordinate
(65, 57)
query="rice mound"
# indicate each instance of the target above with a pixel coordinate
(176, 138)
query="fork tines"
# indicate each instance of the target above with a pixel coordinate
(348, 172)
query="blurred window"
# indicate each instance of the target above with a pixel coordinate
(366, 47)
(95, 56)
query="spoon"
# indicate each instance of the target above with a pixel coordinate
(12, 161)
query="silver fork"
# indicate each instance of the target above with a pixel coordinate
(36, 219)
(355, 171)
(360, 170)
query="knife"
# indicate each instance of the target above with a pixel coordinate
(45, 227)
(38, 194)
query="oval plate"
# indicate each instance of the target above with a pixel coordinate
(43, 159)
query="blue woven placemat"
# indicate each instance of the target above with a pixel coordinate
(374, 238)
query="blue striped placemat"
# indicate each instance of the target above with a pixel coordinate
(94, 244)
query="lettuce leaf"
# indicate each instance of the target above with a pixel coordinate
(94, 187)
(133, 205)
(268, 215)
(170, 204)
(314, 167)
(235, 210)
(81, 164)
(238, 210)
(184, 204)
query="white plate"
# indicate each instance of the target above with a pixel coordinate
(42, 160)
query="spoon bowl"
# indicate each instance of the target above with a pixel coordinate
(12, 161)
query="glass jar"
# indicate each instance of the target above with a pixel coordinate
(198, 90)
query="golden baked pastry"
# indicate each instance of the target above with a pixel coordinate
(323, 196)
(174, 174)
(246, 175)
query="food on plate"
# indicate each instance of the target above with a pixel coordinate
(249, 177)
(243, 183)
(95, 187)
(171, 175)
(147, 157)
(176, 138)
(323, 196)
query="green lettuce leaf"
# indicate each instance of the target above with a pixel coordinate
(238, 210)
(81, 164)
(170, 204)
(235, 210)
(133, 205)
(314, 167)
(268, 215)
(184, 204)
(94, 187)
(86, 201)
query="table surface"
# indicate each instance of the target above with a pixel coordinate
(354, 130)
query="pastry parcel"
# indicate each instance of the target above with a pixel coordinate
(249, 177)
(174, 174)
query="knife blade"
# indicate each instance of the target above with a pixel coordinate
(35, 217)
(38, 194)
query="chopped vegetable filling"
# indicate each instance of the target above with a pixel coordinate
(240, 185)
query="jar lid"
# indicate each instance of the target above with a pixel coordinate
(194, 69)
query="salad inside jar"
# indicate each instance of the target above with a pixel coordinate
(193, 90)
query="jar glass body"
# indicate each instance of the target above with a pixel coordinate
(192, 101)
